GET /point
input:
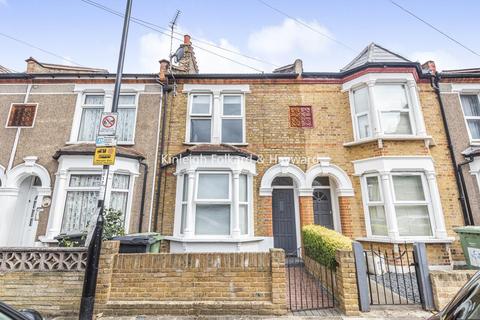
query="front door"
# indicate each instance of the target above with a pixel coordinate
(284, 227)
(27, 213)
(322, 208)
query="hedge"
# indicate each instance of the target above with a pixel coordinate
(321, 244)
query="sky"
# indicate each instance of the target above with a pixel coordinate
(89, 36)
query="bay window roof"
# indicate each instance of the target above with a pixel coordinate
(89, 149)
(374, 53)
(216, 149)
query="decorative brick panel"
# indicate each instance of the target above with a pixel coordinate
(301, 117)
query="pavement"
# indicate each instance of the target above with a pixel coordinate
(377, 313)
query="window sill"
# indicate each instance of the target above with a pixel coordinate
(225, 239)
(428, 140)
(405, 240)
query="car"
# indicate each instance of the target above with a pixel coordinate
(465, 304)
(8, 313)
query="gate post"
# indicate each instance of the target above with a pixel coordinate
(423, 275)
(362, 277)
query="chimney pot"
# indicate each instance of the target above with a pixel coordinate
(430, 66)
(164, 64)
(186, 39)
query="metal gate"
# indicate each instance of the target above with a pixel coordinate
(310, 285)
(392, 276)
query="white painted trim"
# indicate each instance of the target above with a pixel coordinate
(393, 163)
(380, 77)
(325, 168)
(102, 87)
(230, 88)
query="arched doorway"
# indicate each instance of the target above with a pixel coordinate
(284, 220)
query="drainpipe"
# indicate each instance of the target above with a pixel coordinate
(144, 190)
(17, 135)
(467, 215)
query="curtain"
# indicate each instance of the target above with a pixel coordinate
(363, 123)
(119, 197)
(373, 189)
(394, 122)
(408, 188)
(474, 126)
(390, 97)
(126, 124)
(89, 124)
(80, 205)
(94, 99)
(471, 105)
(232, 105)
(413, 220)
(213, 186)
(212, 219)
(378, 222)
(360, 99)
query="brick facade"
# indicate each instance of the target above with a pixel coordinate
(445, 285)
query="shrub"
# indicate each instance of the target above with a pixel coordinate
(321, 244)
(113, 226)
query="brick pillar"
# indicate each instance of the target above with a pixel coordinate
(346, 291)
(263, 222)
(346, 215)
(279, 285)
(306, 210)
(107, 258)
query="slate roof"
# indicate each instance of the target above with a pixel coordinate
(374, 53)
(89, 149)
(218, 149)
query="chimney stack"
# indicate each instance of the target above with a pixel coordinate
(430, 67)
(186, 40)
(164, 65)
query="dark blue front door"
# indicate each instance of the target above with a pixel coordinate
(284, 228)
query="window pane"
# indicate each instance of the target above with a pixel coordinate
(200, 130)
(243, 188)
(185, 187)
(85, 180)
(183, 222)
(94, 99)
(232, 105)
(474, 127)
(232, 130)
(470, 105)
(89, 124)
(373, 189)
(118, 201)
(126, 124)
(363, 123)
(390, 97)
(79, 208)
(243, 219)
(360, 99)
(201, 104)
(378, 223)
(408, 188)
(213, 186)
(413, 221)
(396, 123)
(120, 181)
(282, 181)
(126, 99)
(321, 182)
(212, 219)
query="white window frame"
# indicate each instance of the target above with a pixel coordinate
(356, 115)
(466, 118)
(233, 117)
(216, 91)
(128, 191)
(410, 110)
(83, 91)
(197, 201)
(195, 116)
(427, 202)
(88, 106)
(368, 203)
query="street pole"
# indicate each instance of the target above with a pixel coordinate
(91, 271)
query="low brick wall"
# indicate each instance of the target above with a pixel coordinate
(191, 283)
(445, 284)
(49, 280)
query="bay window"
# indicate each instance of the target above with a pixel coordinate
(119, 192)
(376, 207)
(362, 113)
(471, 110)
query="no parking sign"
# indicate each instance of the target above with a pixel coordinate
(108, 124)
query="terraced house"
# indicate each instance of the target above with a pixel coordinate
(241, 162)
(251, 158)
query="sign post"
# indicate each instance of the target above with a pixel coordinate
(104, 155)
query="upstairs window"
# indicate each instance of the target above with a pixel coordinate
(216, 123)
(362, 113)
(471, 110)
(92, 107)
(394, 109)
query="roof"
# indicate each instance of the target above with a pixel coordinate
(65, 68)
(470, 70)
(89, 149)
(374, 53)
(218, 149)
(4, 70)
